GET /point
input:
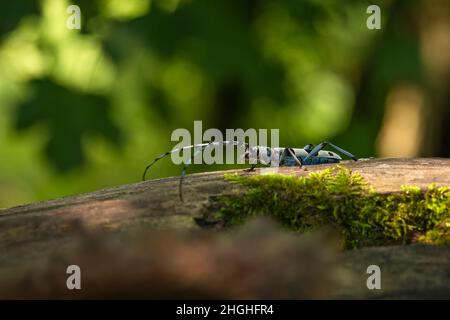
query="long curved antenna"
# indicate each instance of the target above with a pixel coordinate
(170, 152)
(323, 145)
(189, 161)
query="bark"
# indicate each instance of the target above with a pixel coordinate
(34, 233)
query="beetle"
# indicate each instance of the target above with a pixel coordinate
(286, 157)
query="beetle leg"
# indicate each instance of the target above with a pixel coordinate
(189, 161)
(300, 164)
(321, 146)
(183, 173)
(249, 154)
(308, 147)
(201, 145)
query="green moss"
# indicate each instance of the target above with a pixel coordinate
(339, 198)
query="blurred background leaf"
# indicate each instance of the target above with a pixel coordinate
(78, 115)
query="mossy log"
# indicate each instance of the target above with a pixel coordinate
(31, 233)
(156, 203)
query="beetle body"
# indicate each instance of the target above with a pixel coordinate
(322, 157)
(285, 157)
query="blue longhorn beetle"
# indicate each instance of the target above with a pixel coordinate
(288, 157)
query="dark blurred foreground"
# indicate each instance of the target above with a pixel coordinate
(258, 261)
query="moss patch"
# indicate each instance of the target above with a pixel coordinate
(341, 199)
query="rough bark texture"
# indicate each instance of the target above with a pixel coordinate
(32, 233)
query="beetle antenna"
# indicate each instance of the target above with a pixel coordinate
(205, 145)
(170, 152)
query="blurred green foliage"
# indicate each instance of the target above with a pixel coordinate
(86, 109)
